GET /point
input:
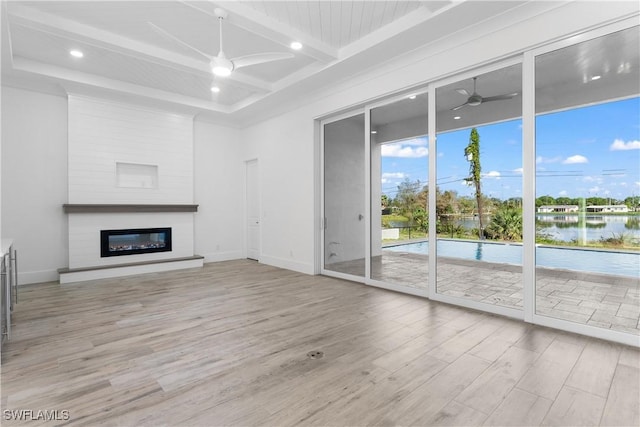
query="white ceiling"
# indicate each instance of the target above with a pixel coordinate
(125, 58)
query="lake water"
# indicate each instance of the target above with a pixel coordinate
(567, 228)
(595, 261)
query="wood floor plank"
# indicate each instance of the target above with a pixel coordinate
(575, 408)
(520, 408)
(549, 373)
(594, 370)
(623, 400)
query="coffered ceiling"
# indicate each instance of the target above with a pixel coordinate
(125, 57)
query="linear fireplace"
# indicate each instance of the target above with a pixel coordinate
(134, 241)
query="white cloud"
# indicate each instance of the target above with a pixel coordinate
(596, 179)
(575, 159)
(394, 175)
(595, 189)
(518, 170)
(637, 183)
(491, 174)
(620, 145)
(420, 142)
(562, 193)
(400, 150)
(441, 154)
(541, 159)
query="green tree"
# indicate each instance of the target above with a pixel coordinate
(472, 153)
(545, 201)
(632, 202)
(407, 199)
(506, 224)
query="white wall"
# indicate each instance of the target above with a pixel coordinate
(34, 181)
(286, 143)
(285, 151)
(219, 189)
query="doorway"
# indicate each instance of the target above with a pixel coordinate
(252, 204)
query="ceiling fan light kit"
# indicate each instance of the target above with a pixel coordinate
(220, 65)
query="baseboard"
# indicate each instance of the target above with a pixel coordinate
(300, 267)
(222, 256)
(30, 277)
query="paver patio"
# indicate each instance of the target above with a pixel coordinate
(600, 300)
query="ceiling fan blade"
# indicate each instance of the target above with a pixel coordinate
(499, 97)
(463, 92)
(176, 39)
(259, 58)
(459, 106)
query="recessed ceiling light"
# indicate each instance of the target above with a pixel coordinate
(215, 89)
(412, 96)
(456, 118)
(295, 45)
(374, 132)
(595, 77)
(76, 53)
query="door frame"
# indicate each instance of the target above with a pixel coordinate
(321, 228)
(245, 215)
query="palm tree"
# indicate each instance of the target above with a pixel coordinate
(506, 224)
(472, 153)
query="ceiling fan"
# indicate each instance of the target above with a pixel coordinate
(475, 99)
(220, 65)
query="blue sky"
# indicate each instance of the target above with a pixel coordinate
(584, 152)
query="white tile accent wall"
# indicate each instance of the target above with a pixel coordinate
(84, 236)
(103, 133)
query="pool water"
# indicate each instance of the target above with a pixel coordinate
(579, 259)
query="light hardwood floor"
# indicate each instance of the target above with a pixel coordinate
(228, 345)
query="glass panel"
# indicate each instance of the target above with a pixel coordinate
(588, 181)
(479, 188)
(344, 196)
(399, 194)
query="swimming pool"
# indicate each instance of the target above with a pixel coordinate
(579, 259)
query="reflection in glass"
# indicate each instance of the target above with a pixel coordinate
(344, 196)
(479, 188)
(399, 193)
(587, 157)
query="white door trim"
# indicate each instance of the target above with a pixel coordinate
(252, 231)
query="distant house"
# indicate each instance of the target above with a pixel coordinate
(558, 208)
(608, 208)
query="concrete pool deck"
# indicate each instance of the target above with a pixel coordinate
(606, 301)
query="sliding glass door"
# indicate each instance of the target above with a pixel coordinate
(399, 191)
(479, 188)
(587, 141)
(344, 196)
(513, 188)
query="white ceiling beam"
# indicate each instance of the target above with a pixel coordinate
(6, 58)
(256, 22)
(65, 75)
(34, 19)
(410, 20)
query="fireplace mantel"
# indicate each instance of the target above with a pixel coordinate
(120, 208)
